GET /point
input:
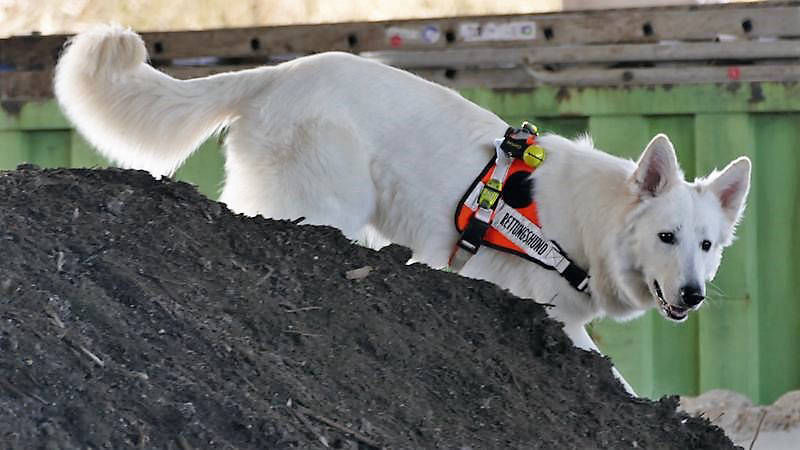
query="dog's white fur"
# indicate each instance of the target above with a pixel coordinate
(382, 154)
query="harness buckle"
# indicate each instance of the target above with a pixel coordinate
(490, 194)
(517, 140)
(576, 277)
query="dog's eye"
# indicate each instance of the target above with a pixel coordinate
(667, 238)
(705, 245)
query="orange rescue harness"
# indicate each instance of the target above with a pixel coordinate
(498, 210)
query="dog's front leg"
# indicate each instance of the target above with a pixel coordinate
(581, 339)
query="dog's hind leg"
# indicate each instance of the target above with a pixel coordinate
(581, 339)
(372, 238)
(313, 169)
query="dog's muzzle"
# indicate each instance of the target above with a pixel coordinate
(670, 311)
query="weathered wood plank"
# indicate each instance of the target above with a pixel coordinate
(592, 76)
(691, 23)
(26, 85)
(677, 51)
(38, 85)
(32, 52)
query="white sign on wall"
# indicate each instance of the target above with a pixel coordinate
(497, 31)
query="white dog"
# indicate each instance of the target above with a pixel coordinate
(378, 152)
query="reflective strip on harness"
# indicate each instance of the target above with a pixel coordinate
(472, 199)
(528, 237)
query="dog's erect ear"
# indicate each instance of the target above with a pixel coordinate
(657, 169)
(731, 186)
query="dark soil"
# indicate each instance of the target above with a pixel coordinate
(137, 313)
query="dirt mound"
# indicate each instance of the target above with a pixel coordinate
(136, 313)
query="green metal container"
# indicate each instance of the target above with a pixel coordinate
(746, 338)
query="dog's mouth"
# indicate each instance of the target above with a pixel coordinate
(671, 312)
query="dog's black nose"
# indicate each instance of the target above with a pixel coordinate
(692, 296)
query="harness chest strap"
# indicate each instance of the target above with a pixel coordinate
(529, 237)
(483, 200)
(484, 218)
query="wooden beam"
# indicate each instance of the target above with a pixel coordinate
(588, 76)
(31, 85)
(678, 51)
(38, 85)
(742, 21)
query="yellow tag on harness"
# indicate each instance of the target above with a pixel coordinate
(533, 155)
(490, 194)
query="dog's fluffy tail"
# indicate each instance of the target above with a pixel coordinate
(135, 115)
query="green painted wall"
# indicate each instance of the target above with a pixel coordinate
(39, 134)
(748, 335)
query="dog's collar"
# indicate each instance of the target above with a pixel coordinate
(498, 210)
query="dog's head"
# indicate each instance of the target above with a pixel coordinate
(676, 231)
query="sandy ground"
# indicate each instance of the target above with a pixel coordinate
(736, 414)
